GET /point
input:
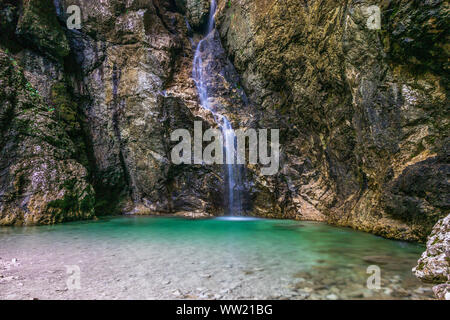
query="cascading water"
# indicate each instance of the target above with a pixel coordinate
(199, 74)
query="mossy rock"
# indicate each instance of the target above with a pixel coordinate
(44, 182)
(39, 26)
(65, 108)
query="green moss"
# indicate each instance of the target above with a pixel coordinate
(71, 203)
(62, 103)
(420, 266)
(39, 26)
(87, 203)
(435, 241)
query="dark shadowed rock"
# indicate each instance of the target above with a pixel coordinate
(361, 112)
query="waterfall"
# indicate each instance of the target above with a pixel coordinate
(232, 172)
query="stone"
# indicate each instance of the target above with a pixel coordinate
(46, 35)
(332, 297)
(358, 148)
(434, 264)
(42, 181)
(197, 11)
(176, 293)
(362, 113)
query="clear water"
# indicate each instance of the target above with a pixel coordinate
(173, 258)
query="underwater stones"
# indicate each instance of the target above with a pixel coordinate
(302, 275)
(379, 260)
(289, 227)
(193, 214)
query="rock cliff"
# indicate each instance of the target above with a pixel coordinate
(86, 119)
(434, 265)
(363, 112)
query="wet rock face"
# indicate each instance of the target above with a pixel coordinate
(41, 182)
(434, 265)
(135, 63)
(116, 98)
(361, 111)
(417, 32)
(38, 26)
(196, 11)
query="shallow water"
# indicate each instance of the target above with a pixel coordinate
(167, 258)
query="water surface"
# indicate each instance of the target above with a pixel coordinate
(166, 258)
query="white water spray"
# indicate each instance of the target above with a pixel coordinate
(199, 75)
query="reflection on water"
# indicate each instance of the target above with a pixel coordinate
(165, 258)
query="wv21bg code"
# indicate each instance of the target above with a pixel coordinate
(228, 309)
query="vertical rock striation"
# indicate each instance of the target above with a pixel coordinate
(117, 89)
(41, 180)
(136, 89)
(362, 113)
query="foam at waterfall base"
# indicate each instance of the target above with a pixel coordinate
(238, 218)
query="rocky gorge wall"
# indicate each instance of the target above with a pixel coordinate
(434, 265)
(118, 88)
(363, 113)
